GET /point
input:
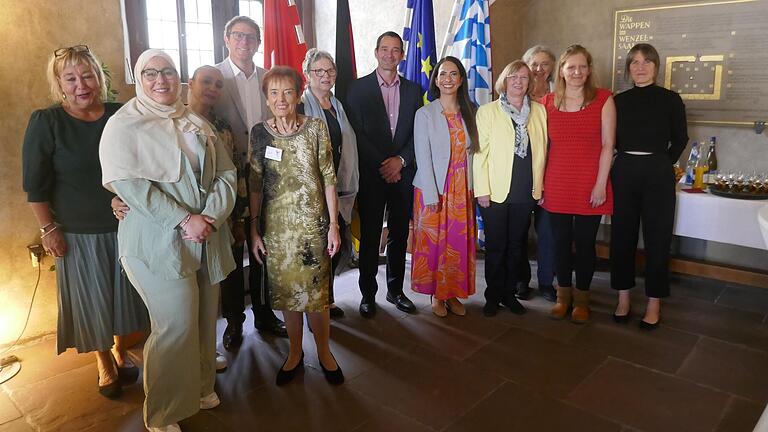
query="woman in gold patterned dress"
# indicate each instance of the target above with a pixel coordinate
(293, 188)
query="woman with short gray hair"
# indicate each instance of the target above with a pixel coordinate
(542, 63)
(318, 101)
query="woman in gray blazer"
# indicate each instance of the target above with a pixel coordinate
(445, 136)
(165, 162)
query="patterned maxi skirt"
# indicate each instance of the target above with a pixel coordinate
(444, 236)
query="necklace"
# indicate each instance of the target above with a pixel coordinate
(291, 128)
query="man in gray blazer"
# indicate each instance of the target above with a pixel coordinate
(243, 105)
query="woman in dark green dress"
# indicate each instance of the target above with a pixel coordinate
(62, 178)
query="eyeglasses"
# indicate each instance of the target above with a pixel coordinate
(152, 74)
(322, 72)
(250, 37)
(75, 49)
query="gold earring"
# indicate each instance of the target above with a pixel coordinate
(64, 96)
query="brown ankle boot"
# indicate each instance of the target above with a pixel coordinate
(560, 310)
(580, 313)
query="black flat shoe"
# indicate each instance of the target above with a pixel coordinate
(523, 292)
(490, 309)
(367, 309)
(286, 376)
(548, 292)
(648, 326)
(128, 375)
(334, 377)
(233, 336)
(336, 312)
(401, 302)
(112, 390)
(273, 326)
(514, 306)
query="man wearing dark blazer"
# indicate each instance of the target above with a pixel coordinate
(242, 105)
(381, 108)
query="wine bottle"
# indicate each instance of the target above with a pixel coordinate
(711, 174)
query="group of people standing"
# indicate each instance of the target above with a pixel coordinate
(259, 163)
(555, 146)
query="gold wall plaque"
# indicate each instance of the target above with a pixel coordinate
(712, 53)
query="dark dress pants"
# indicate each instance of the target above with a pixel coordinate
(504, 247)
(233, 287)
(374, 195)
(336, 260)
(568, 229)
(545, 250)
(644, 193)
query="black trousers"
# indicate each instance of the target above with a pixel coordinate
(233, 287)
(643, 192)
(568, 229)
(373, 197)
(504, 247)
(336, 260)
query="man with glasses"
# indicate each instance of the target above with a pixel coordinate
(242, 105)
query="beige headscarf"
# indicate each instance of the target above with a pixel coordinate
(143, 138)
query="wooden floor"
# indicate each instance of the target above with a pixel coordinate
(704, 369)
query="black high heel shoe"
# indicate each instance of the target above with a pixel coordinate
(622, 319)
(648, 326)
(335, 377)
(286, 376)
(112, 390)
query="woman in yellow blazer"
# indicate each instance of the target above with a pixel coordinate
(508, 172)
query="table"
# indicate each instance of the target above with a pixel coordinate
(725, 220)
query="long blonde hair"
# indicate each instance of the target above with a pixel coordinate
(590, 89)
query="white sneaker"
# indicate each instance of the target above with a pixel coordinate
(210, 401)
(170, 428)
(221, 362)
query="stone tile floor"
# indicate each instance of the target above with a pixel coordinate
(704, 369)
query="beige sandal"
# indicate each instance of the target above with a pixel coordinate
(455, 307)
(438, 307)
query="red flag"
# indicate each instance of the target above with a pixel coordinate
(283, 37)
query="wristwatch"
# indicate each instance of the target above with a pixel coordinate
(402, 161)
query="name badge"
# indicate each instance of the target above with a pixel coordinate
(274, 153)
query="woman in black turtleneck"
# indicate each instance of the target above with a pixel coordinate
(651, 133)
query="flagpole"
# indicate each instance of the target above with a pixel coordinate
(451, 30)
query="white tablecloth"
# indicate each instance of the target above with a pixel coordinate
(725, 220)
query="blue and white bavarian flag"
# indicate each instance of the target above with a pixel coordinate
(419, 38)
(472, 45)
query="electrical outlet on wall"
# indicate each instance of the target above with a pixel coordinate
(36, 253)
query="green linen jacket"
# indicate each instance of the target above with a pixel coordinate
(150, 230)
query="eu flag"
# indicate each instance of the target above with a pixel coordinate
(420, 54)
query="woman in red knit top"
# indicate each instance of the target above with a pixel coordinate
(581, 120)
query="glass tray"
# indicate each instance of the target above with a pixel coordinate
(738, 195)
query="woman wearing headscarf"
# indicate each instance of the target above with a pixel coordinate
(318, 101)
(62, 178)
(164, 162)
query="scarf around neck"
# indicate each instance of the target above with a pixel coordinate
(347, 176)
(520, 119)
